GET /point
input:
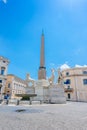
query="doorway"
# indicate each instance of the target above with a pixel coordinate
(69, 96)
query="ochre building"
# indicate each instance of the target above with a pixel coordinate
(75, 83)
(14, 85)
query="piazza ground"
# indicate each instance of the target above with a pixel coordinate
(70, 116)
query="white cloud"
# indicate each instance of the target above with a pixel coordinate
(79, 66)
(64, 67)
(73, 2)
(5, 1)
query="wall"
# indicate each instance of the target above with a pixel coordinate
(76, 76)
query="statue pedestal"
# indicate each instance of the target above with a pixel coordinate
(49, 93)
(57, 94)
(40, 89)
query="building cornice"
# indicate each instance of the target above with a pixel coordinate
(76, 68)
(74, 75)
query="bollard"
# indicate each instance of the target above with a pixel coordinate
(17, 102)
(7, 101)
(30, 102)
(41, 101)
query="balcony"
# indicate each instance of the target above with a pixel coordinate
(69, 90)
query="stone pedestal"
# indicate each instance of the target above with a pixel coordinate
(30, 90)
(39, 92)
(57, 95)
(39, 89)
(49, 93)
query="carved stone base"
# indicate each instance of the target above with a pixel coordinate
(49, 94)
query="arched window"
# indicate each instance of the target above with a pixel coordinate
(68, 81)
(9, 85)
(2, 70)
(84, 72)
(85, 81)
(67, 73)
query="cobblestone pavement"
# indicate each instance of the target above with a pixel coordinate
(70, 116)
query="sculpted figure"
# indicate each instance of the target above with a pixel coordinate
(60, 77)
(51, 79)
(29, 79)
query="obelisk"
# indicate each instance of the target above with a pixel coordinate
(42, 68)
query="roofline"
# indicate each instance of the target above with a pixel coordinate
(75, 68)
(15, 76)
(10, 75)
(5, 58)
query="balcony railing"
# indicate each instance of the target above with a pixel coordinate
(69, 90)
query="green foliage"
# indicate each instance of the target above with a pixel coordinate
(25, 98)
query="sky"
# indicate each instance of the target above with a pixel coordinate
(65, 29)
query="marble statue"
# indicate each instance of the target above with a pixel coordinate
(51, 79)
(30, 80)
(60, 77)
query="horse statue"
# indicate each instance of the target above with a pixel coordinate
(30, 80)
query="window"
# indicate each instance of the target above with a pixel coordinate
(84, 72)
(69, 96)
(68, 87)
(0, 81)
(2, 70)
(9, 85)
(4, 61)
(68, 81)
(85, 81)
(67, 73)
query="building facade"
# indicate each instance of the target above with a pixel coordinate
(14, 85)
(75, 83)
(4, 62)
